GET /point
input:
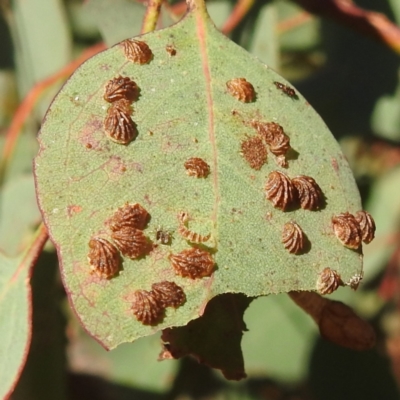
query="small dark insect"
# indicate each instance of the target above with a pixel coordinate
(137, 51)
(146, 308)
(168, 294)
(131, 242)
(118, 123)
(241, 90)
(286, 89)
(280, 190)
(347, 230)
(129, 216)
(197, 167)
(192, 263)
(367, 226)
(103, 257)
(189, 235)
(170, 50)
(254, 152)
(163, 237)
(309, 193)
(293, 238)
(328, 281)
(121, 88)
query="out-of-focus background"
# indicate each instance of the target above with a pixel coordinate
(353, 83)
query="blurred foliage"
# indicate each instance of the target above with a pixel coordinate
(350, 80)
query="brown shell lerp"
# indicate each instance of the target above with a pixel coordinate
(103, 257)
(146, 308)
(293, 238)
(137, 51)
(188, 234)
(168, 294)
(129, 216)
(254, 152)
(121, 88)
(193, 263)
(241, 90)
(131, 242)
(328, 281)
(309, 192)
(118, 123)
(367, 226)
(280, 190)
(197, 167)
(347, 230)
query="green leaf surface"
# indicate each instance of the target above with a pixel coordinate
(18, 214)
(15, 313)
(133, 365)
(214, 338)
(184, 111)
(44, 40)
(383, 204)
(274, 324)
(15, 329)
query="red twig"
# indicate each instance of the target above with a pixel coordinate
(370, 23)
(25, 108)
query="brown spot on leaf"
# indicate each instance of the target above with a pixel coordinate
(168, 294)
(146, 308)
(137, 51)
(293, 238)
(197, 167)
(276, 138)
(254, 152)
(280, 190)
(367, 226)
(241, 89)
(73, 209)
(309, 193)
(131, 242)
(171, 50)
(328, 281)
(118, 124)
(193, 263)
(121, 88)
(347, 230)
(103, 257)
(129, 216)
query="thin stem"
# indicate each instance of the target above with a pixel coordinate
(199, 5)
(242, 7)
(151, 16)
(33, 251)
(27, 105)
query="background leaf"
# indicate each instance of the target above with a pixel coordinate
(15, 312)
(215, 338)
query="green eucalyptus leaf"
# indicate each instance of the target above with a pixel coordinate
(184, 110)
(15, 327)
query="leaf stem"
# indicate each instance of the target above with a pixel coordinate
(33, 251)
(199, 5)
(151, 17)
(242, 7)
